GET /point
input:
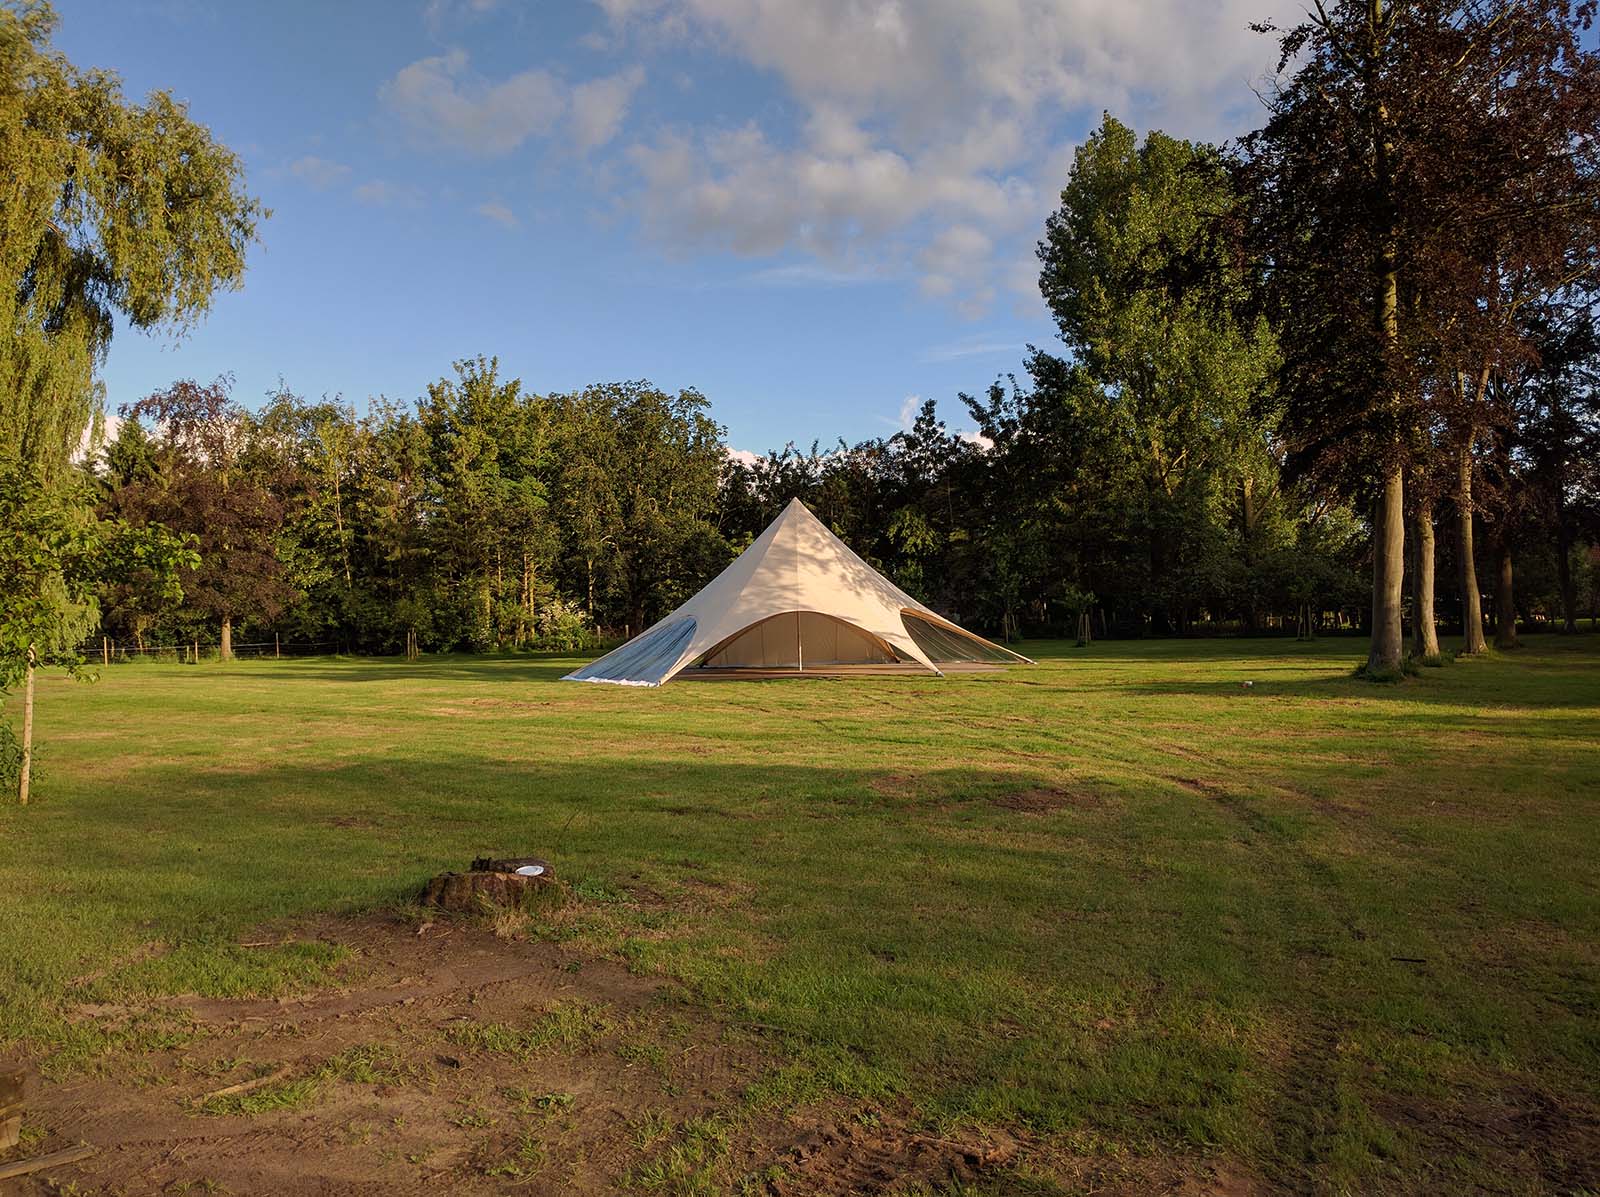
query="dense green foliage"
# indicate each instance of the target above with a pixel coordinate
(1425, 203)
(484, 516)
(1145, 476)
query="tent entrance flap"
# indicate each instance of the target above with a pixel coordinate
(798, 640)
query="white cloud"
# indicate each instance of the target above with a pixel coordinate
(599, 105)
(909, 407)
(931, 61)
(497, 212)
(320, 173)
(810, 274)
(438, 13)
(743, 456)
(734, 188)
(837, 196)
(381, 193)
(971, 347)
(959, 253)
(933, 135)
(447, 105)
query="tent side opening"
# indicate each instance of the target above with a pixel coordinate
(944, 642)
(798, 640)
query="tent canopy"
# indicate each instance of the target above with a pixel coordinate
(796, 599)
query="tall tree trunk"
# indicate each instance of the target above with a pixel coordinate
(25, 777)
(1388, 575)
(1389, 522)
(1569, 591)
(227, 638)
(1472, 640)
(1426, 632)
(1505, 605)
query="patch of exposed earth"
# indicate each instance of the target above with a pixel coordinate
(445, 1059)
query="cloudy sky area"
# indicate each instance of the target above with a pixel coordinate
(813, 212)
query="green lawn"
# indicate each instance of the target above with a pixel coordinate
(1345, 935)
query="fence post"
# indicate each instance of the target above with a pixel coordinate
(277, 647)
(197, 650)
(105, 649)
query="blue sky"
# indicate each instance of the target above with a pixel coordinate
(816, 213)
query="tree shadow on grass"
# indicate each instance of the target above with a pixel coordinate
(445, 667)
(1533, 694)
(909, 932)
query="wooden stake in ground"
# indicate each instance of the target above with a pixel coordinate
(244, 1086)
(55, 1159)
(27, 728)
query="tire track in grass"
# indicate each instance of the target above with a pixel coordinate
(1305, 1121)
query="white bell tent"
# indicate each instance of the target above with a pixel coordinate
(796, 600)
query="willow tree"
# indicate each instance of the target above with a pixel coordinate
(107, 208)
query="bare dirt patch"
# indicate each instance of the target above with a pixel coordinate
(1043, 800)
(446, 1059)
(894, 785)
(845, 1157)
(1528, 1140)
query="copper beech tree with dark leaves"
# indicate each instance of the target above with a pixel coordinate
(201, 486)
(1428, 170)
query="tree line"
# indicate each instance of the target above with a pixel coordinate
(482, 516)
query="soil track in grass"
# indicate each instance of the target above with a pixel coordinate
(445, 1058)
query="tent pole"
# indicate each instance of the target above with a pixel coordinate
(799, 649)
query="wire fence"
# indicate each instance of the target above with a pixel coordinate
(114, 652)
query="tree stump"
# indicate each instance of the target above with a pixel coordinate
(491, 882)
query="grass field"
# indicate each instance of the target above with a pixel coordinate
(1344, 936)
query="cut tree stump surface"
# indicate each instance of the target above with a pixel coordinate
(491, 881)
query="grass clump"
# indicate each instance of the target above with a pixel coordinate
(365, 1064)
(693, 1164)
(565, 1024)
(527, 1157)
